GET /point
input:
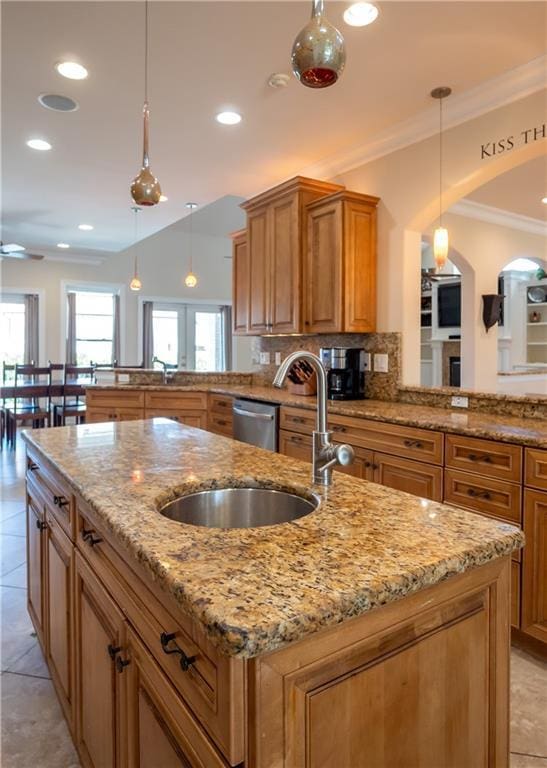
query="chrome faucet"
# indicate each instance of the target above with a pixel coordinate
(326, 454)
(167, 377)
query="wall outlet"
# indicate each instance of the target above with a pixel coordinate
(367, 361)
(381, 364)
(278, 358)
(123, 378)
(459, 402)
(264, 358)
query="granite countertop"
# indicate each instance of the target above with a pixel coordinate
(255, 590)
(509, 429)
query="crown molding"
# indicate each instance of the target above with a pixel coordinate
(492, 94)
(503, 218)
(87, 260)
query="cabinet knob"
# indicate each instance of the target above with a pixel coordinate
(33, 467)
(41, 525)
(113, 650)
(167, 638)
(121, 664)
(60, 501)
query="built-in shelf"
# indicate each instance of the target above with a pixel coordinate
(537, 343)
(540, 323)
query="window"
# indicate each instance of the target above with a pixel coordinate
(94, 327)
(12, 329)
(189, 337)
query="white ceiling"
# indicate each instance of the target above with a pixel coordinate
(518, 191)
(206, 56)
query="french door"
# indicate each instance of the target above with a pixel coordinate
(189, 336)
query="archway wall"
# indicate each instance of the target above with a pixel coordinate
(407, 183)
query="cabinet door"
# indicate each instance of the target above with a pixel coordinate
(286, 265)
(534, 565)
(100, 638)
(59, 570)
(240, 283)
(411, 476)
(35, 564)
(359, 267)
(259, 271)
(324, 270)
(161, 730)
(363, 465)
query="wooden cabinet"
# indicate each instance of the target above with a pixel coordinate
(36, 560)
(188, 408)
(220, 416)
(534, 565)
(340, 270)
(100, 701)
(535, 473)
(491, 497)
(240, 274)
(484, 457)
(276, 238)
(414, 477)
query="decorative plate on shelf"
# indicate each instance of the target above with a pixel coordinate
(536, 294)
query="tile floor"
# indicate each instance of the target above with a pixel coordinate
(34, 733)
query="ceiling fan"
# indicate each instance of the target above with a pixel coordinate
(15, 251)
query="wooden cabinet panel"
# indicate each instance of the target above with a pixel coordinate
(410, 476)
(259, 271)
(360, 264)
(196, 419)
(515, 593)
(59, 572)
(100, 634)
(534, 565)
(240, 282)
(485, 457)
(95, 414)
(35, 562)
(221, 404)
(323, 272)
(285, 265)
(297, 420)
(161, 729)
(182, 401)
(362, 467)
(295, 446)
(116, 398)
(220, 425)
(535, 473)
(494, 498)
(44, 483)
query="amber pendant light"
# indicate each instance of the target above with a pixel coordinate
(145, 189)
(440, 236)
(190, 281)
(135, 284)
(319, 52)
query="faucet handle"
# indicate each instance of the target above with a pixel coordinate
(344, 454)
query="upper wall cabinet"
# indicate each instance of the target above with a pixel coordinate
(340, 267)
(306, 262)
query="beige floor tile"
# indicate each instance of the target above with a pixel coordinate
(10, 508)
(34, 732)
(527, 761)
(13, 549)
(16, 525)
(32, 663)
(17, 632)
(15, 578)
(528, 704)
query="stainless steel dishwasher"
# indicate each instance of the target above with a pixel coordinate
(256, 423)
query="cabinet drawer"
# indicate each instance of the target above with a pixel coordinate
(494, 498)
(212, 684)
(221, 424)
(95, 415)
(221, 404)
(485, 457)
(54, 494)
(190, 418)
(515, 593)
(418, 444)
(535, 472)
(294, 445)
(122, 398)
(412, 477)
(189, 401)
(297, 420)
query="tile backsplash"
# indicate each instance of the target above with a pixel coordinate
(379, 386)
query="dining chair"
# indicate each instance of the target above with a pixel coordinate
(8, 374)
(73, 402)
(57, 382)
(28, 403)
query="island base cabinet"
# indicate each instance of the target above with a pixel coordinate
(424, 681)
(534, 566)
(35, 564)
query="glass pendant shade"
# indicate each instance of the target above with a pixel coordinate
(145, 189)
(190, 281)
(135, 284)
(318, 53)
(440, 247)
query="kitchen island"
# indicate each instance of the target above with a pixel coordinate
(373, 631)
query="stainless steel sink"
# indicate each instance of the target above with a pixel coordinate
(239, 508)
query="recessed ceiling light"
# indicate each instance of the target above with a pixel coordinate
(163, 198)
(85, 227)
(39, 144)
(544, 200)
(57, 102)
(63, 245)
(72, 70)
(228, 118)
(360, 14)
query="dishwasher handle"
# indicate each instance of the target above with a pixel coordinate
(253, 415)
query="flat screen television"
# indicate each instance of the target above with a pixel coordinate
(449, 305)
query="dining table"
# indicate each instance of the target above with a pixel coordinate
(28, 390)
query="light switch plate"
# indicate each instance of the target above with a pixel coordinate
(367, 361)
(264, 358)
(278, 358)
(459, 402)
(381, 364)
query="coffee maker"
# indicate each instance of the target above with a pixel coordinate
(345, 372)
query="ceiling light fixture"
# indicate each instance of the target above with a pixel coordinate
(360, 14)
(85, 227)
(544, 200)
(163, 198)
(57, 103)
(40, 144)
(135, 284)
(228, 118)
(440, 236)
(318, 53)
(145, 189)
(63, 245)
(190, 281)
(72, 70)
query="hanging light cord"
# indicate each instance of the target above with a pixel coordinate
(440, 162)
(146, 51)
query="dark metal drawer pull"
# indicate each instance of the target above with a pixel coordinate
(478, 494)
(413, 444)
(41, 525)
(221, 422)
(113, 650)
(486, 458)
(338, 428)
(33, 467)
(121, 663)
(185, 661)
(88, 537)
(60, 501)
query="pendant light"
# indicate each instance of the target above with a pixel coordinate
(318, 53)
(440, 237)
(190, 281)
(145, 189)
(135, 284)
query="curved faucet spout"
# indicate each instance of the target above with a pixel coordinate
(319, 369)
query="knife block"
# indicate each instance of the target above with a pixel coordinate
(307, 389)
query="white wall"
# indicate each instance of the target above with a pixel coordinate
(163, 263)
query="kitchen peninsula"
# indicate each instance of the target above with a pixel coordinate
(359, 634)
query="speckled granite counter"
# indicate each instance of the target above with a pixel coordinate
(510, 429)
(257, 589)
